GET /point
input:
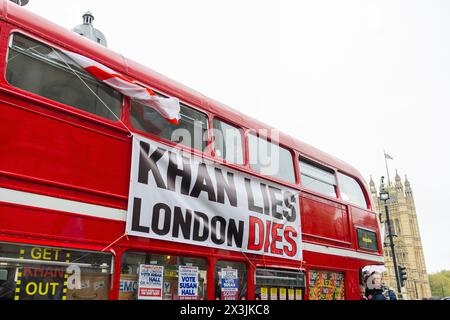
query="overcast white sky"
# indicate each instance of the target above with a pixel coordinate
(349, 77)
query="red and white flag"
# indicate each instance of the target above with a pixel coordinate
(169, 108)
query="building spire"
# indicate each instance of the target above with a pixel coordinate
(87, 30)
(408, 189)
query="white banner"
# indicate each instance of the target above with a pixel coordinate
(180, 198)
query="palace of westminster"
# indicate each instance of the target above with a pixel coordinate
(408, 245)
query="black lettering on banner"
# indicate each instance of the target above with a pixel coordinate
(251, 200)
(218, 237)
(290, 201)
(235, 233)
(174, 171)
(182, 223)
(200, 218)
(156, 219)
(226, 186)
(136, 221)
(276, 202)
(148, 163)
(203, 183)
(266, 199)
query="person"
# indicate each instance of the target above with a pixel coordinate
(376, 290)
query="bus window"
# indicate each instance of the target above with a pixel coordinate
(190, 132)
(228, 142)
(40, 69)
(231, 280)
(270, 159)
(279, 285)
(172, 277)
(326, 285)
(318, 179)
(351, 191)
(46, 273)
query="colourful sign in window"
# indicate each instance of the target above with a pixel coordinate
(326, 285)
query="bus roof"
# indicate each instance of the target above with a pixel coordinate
(35, 24)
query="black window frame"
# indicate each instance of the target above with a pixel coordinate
(303, 159)
(362, 189)
(242, 133)
(156, 137)
(279, 145)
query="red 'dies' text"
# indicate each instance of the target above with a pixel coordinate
(182, 198)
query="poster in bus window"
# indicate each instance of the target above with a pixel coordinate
(283, 294)
(177, 197)
(46, 281)
(229, 284)
(324, 285)
(41, 283)
(188, 283)
(150, 284)
(291, 294)
(298, 294)
(264, 294)
(273, 293)
(128, 287)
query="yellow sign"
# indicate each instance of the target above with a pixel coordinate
(291, 294)
(367, 240)
(283, 293)
(273, 293)
(298, 294)
(264, 294)
(46, 282)
(171, 274)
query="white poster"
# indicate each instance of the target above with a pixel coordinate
(188, 282)
(229, 284)
(186, 199)
(150, 282)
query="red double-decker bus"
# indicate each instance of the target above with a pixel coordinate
(114, 202)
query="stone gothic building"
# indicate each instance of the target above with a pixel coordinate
(408, 244)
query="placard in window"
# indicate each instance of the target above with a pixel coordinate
(229, 284)
(264, 294)
(150, 282)
(326, 285)
(188, 282)
(42, 282)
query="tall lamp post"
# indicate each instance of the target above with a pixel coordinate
(384, 196)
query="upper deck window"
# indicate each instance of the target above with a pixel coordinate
(43, 70)
(191, 131)
(228, 142)
(351, 190)
(270, 159)
(317, 178)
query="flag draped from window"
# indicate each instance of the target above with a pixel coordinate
(169, 108)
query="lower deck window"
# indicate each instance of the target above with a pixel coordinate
(231, 280)
(279, 285)
(146, 276)
(326, 285)
(47, 273)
